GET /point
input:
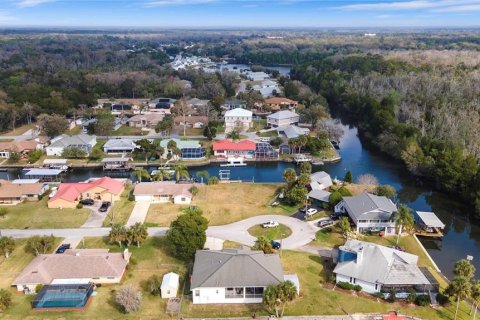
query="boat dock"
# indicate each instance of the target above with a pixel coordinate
(427, 224)
(116, 164)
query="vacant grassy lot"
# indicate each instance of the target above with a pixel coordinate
(224, 203)
(37, 215)
(126, 130)
(121, 209)
(19, 130)
(280, 232)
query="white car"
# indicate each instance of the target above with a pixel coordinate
(310, 212)
(53, 191)
(270, 224)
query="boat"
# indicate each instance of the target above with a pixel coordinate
(234, 162)
(317, 163)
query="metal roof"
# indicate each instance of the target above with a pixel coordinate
(430, 219)
(369, 207)
(43, 172)
(283, 114)
(115, 159)
(320, 195)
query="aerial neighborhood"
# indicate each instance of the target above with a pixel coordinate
(202, 186)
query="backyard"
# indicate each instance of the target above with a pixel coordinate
(36, 214)
(224, 203)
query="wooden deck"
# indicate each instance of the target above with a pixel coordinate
(422, 233)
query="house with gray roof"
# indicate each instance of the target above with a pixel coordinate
(119, 146)
(282, 118)
(292, 131)
(369, 212)
(81, 141)
(377, 268)
(235, 276)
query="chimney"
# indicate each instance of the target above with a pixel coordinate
(360, 255)
(126, 254)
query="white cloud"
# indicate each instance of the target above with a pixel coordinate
(410, 5)
(159, 3)
(6, 17)
(32, 3)
(464, 8)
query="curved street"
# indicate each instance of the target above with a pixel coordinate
(302, 232)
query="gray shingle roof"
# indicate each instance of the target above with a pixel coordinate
(380, 264)
(369, 207)
(430, 219)
(234, 267)
(320, 195)
(284, 114)
(119, 143)
(79, 139)
(320, 180)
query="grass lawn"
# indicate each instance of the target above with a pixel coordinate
(220, 207)
(280, 232)
(75, 130)
(37, 215)
(328, 237)
(126, 130)
(268, 134)
(19, 130)
(121, 209)
(258, 125)
(190, 131)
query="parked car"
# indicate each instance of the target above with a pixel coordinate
(270, 224)
(62, 248)
(53, 191)
(104, 207)
(310, 212)
(324, 223)
(276, 245)
(87, 202)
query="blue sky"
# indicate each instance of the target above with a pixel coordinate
(240, 13)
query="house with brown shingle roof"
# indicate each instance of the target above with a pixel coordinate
(97, 266)
(163, 192)
(14, 193)
(278, 103)
(22, 147)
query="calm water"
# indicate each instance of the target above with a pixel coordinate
(462, 237)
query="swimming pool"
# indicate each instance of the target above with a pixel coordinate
(63, 296)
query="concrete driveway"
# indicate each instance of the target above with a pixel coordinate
(302, 232)
(95, 220)
(139, 213)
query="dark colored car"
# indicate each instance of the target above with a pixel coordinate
(63, 247)
(276, 245)
(104, 207)
(87, 202)
(324, 223)
(303, 209)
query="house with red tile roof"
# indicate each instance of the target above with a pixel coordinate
(227, 149)
(69, 194)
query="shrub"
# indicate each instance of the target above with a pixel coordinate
(392, 296)
(79, 205)
(14, 157)
(154, 283)
(327, 230)
(5, 299)
(442, 299)
(345, 285)
(3, 212)
(34, 156)
(357, 288)
(213, 180)
(38, 288)
(129, 298)
(422, 300)
(96, 154)
(412, 296)
(379, 295)
(344, 192)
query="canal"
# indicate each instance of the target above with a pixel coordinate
(462, 236)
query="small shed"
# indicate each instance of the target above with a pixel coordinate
(429, 220)
(170, 285)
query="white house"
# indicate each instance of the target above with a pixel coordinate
(282, 118)
(239, 119)
(163, 192)
(81, 141)
(119, 146)
(369, 212)
(169, 287)
(235, 276)
(292, 131)
(378, 268)
(320, 180)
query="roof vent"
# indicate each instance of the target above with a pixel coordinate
(77, 254)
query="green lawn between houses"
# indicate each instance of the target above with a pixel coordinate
(277, 233)
(36, 214)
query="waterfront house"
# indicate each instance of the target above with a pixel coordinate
(226, 149)
(257, 76)
(163, 192)
(234, 103)
(69, 194)
(119, 146)
(238, 119)
(282, 118)
(21, 190)
(146, 121)
(278, 103)
(320, 180)
(189, 149)
(21, 147)
(377, 268)
(235, 276)
(74, 266)
(293, 131)
(369, 212)
(84, 142)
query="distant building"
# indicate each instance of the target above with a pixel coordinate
(235, 276)
(191, 121)
(238, 119)
(234, 103)
(369, 212)
(195, 103)
(278, 103)
(161, 103)
(119, 146)
(283, 118)
(378, 268)
(82, 141)
(146, 121)
(257, 76)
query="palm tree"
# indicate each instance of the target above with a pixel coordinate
(475, 297)
(290, 176)
(460, 288)
(181, 171)
(161, 175)
(464, 268)
(203, 174)
(138, 233)
(403, 218)
(7, 245)
(302, 142)
(279, 295)
(117, 234)
(304, 179)
(141, 174)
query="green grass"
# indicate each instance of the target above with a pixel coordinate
(277, 233)
(258, 125)
(126, 130)
(6, 140)
(75, 130)
(36, 214)
(268, 134)
(121, 209)
(328, 237)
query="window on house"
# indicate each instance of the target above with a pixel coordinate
(376, 286)
(234, 293)
(197, 293)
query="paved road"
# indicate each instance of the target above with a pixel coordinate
(302, 232)
(139, 213)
